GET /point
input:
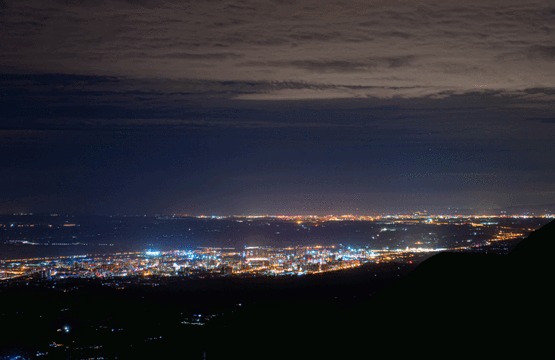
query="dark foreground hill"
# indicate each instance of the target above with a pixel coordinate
(452, 304)
(475, 304)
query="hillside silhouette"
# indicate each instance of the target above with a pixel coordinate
(452, 304)
(477, 303)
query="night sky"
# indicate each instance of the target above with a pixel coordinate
(276, 106)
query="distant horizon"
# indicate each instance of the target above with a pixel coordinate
(442, 211)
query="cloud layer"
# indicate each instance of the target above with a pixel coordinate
(337, 49)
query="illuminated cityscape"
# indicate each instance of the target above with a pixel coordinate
(251, 261)
(477, 233)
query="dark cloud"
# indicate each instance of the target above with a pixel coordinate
(539, 51)
(315, 36)
(207, 56)
(331, 66)
(395, 62)
(397, 34)
(316, 66)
